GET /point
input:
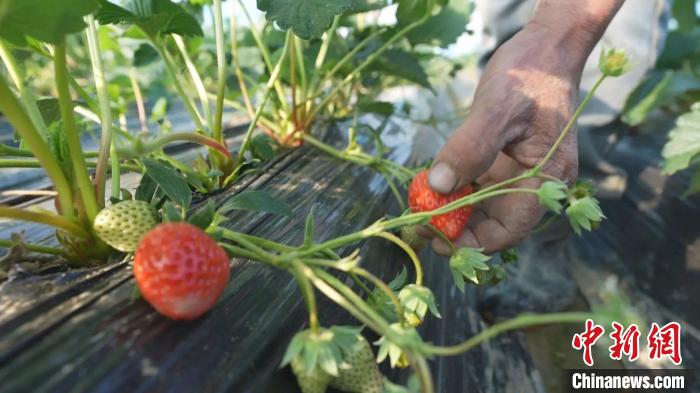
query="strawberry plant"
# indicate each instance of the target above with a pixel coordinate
(318, 59)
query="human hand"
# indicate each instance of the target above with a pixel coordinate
(524, 99)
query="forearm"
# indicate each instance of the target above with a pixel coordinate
(574, 25)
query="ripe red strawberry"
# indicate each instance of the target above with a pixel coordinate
(422, 198)
(180, 270)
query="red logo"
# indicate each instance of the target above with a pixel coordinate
(586, 340)
(663, 341)
(626, 342)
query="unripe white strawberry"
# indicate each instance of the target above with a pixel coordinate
(310, 382)
(123, 225)
(361, 373)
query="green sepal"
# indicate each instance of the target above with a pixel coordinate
(464, 264)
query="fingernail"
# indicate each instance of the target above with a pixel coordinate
(442, 178)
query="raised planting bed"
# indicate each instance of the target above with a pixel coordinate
(82, 330)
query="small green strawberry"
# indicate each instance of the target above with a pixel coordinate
(123, 225)
(360, 374)
(493, 276)
(315, 381)
(412, 238)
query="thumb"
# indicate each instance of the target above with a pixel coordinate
(469, 152)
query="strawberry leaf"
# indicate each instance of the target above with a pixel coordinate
(509, 256)
(445, 27)
(309, 229)
(494, 275)
(411, 10)
(307, 18)
(399, 281)
(170, 181)
(203, 217)
(410, 69)
(583, 213)
(551, 194)
(464, 264)
(153, 17)
(683, 146)
(257, 201)
(146, 189)
(171, 213)
(44, 20)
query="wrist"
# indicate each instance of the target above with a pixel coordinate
(573, 27)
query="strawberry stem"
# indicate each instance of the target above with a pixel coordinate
(274, 77)
(87, 192)
(308, 292)
(537, 169)
(146, 148)
(442, 237)
(519, 322)
(105, 112)
(409, 251)
(34, 248)
(12, 109)
(366, 63)
(217, 127)
(45, 218)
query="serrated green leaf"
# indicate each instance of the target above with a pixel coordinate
(464, 263)
(262, 147)
(551, 194)
(658, 89)
(45, 20)
(412, 10)
(694, 187)
(170, 181)
(49, 109)
(309, 229)
(359, 6)
(171, 212)
(679, 46)
(399, 281)
(402, 64)
(444, 28)
(509, 256)
(378, 107)
(203, 217)
(583, 213)
(153, 17)
(306, 18)
(145, 54)
(684, 142)
(684, 13)
(159, 110)
(146, 189)
(257, 201)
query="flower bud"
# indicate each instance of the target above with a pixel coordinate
(614, 62)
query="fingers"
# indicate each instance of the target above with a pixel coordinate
(499, 223)
(467, 154)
